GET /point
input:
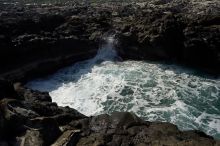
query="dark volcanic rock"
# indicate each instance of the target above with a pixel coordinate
(36, 40)
(187, 32)
(202, 43)
(35, 115)
(127, 129)
(32, 95)
(39, 40)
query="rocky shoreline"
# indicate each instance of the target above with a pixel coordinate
(30, 117)
(36, 40)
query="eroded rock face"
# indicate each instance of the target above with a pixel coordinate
(37, 40)
(186, 32)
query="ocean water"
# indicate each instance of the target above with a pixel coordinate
(155, 92)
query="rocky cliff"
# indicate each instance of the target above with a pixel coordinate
(36, 40)
(187, 32)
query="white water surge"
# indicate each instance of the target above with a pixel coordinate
(156, 92)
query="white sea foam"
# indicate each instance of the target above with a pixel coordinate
(153, 91)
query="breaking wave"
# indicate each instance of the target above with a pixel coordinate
(156, 92)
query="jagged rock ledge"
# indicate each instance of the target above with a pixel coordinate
(37, 40)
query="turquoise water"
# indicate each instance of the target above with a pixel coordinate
(156, 92)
